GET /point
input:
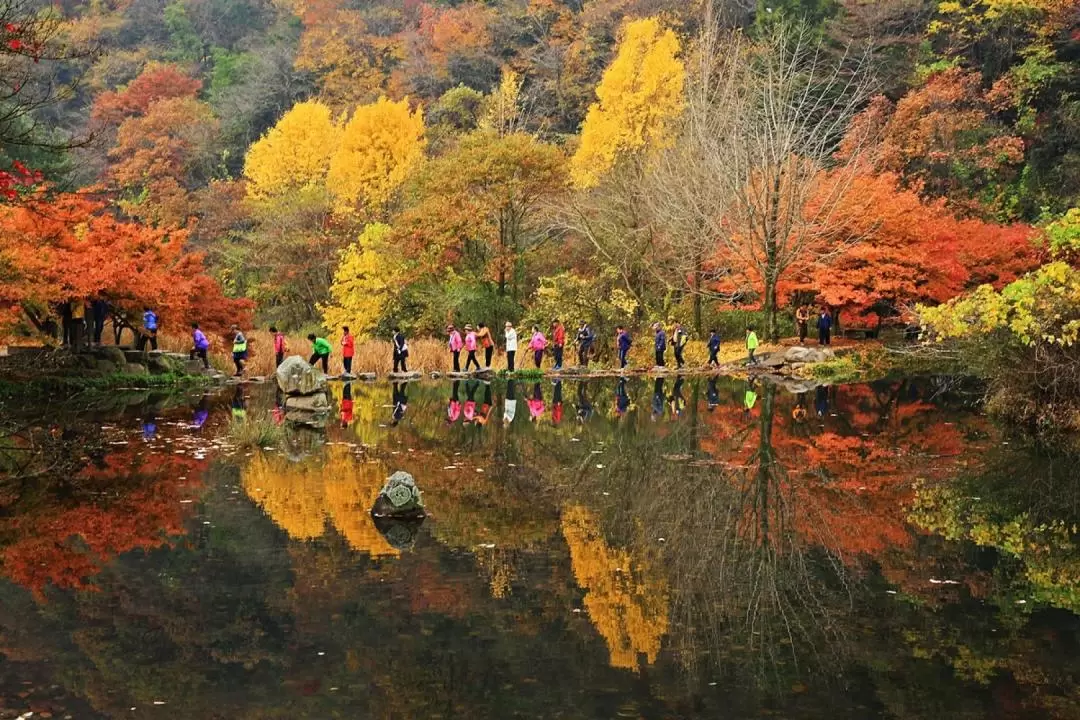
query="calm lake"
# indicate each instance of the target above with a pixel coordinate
(637, 549)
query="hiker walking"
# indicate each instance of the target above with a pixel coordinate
(281, 346)
(348, 349)
(585, 339)
(824, 327)
(511, 345)
(483, 335)
(623, 341)
(751, 345)
(200, 344)
(678, 341)
(802, 320)
(401, 351)
(558, 343)
(320, 352)
(239, 350)
(537, 344)
(149, 329)
(99, 310)
(78, 325)
(470, 348)
(659, 343)
(714, 348)
(455, 344)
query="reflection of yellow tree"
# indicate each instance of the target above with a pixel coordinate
(626, 599)
(300, 497)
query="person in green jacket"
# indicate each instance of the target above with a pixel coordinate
(751, 345)
(320, 351)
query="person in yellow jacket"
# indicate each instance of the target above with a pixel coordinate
(751, 345)
(239, 350)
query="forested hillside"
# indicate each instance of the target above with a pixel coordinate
(374, 162)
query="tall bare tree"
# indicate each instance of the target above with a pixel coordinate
(750, 188)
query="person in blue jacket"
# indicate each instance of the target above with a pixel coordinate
(824, 327)
(149, 329)
(624, 341)
(660, 344)
(714, 348)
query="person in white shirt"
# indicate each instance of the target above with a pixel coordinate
(511, 345)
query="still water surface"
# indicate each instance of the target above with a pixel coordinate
(607, 549)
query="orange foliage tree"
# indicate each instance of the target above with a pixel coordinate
(69, 247)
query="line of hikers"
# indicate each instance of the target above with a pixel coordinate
(472, 341)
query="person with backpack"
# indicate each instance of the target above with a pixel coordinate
(455, 344)
(200, 344)
(802, 320)
(239, 350)
(348, 349)
(623, 341)
(281, 346)
(483, 335)
(470, 347)
(538, 343)
(678, 341)
(714, 348)
(751, 345)
(558, 343)
(659, 344)
(585, 339)
(320, 352)
(149, 329)
(511, 345)
(401, 351)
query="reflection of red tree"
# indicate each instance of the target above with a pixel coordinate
(65, 545)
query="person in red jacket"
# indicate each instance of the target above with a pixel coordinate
(348, 349)
(280, 346)
(558, 343)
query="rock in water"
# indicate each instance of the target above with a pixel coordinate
(296, 377)
(316, 403)
(399, 498)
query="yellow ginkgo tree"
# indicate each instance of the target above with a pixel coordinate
(365, 281)
(381, 144)
(639, 100)
(293, 154)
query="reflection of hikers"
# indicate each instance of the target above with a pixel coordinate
(401, 403)
(678, 342)
(622, 399)
(470, 401)
(453, 408)
(678, 402)
(750, 398)
(821, 400)
(483, 335)
(346, 406)
(149, 329)
(714, 348)
(348, 349)
(824, 327)
(278, 413)
(511, 345)
(200, 344)
(149, 424)
(239, 404)
(537, 344)
(802, 320)
(201, 414)
(624, 341)
(557, 404)
(712, 394)
(798, 413)
(510, 403)
(585, 339)
(470, 347)
(484, 415)
(99, 310)
(455, 344)
(751, 345)
(239, 350)
(320, 352)
(536, 404)
(660, 344)
(584, 405)
(401, 351)
(658, 399)
(558, 343)
(281, 346)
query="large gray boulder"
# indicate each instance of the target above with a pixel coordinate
(296, 377)
(399, 498)
(315, 403)
(801, 354)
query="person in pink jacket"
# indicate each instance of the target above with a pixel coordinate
(471, 344)
(537, 344)
(456, 343)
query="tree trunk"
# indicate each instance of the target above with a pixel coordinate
(772, 330)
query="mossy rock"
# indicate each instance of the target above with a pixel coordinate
(135, 369)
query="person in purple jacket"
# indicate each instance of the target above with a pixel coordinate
(201, 345)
